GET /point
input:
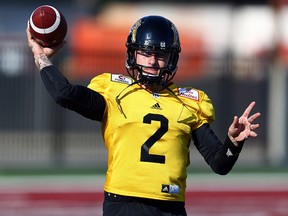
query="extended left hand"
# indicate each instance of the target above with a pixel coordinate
(242, 128)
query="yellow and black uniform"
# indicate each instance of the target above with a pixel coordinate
(147, 134)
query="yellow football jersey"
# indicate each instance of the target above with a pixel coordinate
(147, 135)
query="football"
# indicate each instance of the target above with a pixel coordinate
(48, 26)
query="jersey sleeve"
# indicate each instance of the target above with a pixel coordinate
(100, 83)
(206, 112)
(198, 103)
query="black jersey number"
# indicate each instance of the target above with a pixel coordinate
(145, 156)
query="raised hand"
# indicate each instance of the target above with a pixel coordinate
(244, 127)
(41, 54)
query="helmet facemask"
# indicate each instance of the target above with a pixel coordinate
(153, 34)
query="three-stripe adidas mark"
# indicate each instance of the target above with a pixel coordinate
(156, 106)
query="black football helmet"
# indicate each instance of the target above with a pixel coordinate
(153, 34)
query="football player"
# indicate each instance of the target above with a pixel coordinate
(148, 121)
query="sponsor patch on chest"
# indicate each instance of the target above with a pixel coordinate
(189, 93)
(121, 79)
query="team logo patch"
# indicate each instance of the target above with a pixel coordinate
(171, 189)
(189, 93)
(121, 79)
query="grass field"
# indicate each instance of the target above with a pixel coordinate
(259, 194)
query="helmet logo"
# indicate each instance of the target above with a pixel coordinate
(148, 36)
(162, 44)
(176, 35)
(134, 30)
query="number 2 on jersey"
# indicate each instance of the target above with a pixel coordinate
(145, 156)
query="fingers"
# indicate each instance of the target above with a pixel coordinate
(249, 108)
(253, 117)
(254, 126)
(29, 36)
(246, 113)
(235, 120)
(30, 39)
(243, 127)
(253, 134)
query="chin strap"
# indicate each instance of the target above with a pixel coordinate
(147, 80)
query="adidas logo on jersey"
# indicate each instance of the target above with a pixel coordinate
(156, 106)
(171, 189)
(165, 189)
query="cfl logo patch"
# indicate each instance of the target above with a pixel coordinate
(171, 189)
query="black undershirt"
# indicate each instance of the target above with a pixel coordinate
(78, 98)
(220, 156)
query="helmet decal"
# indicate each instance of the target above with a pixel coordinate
(134, 30)
(176, 35)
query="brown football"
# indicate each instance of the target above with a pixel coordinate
(48, 26)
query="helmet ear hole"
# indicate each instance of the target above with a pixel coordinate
(153, 33)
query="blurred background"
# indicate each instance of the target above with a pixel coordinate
(235, 51)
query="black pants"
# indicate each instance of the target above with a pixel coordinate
(117, 205)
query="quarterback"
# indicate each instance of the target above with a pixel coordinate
(148, 121)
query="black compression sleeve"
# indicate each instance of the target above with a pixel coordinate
(220, 156)
(78, 98)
